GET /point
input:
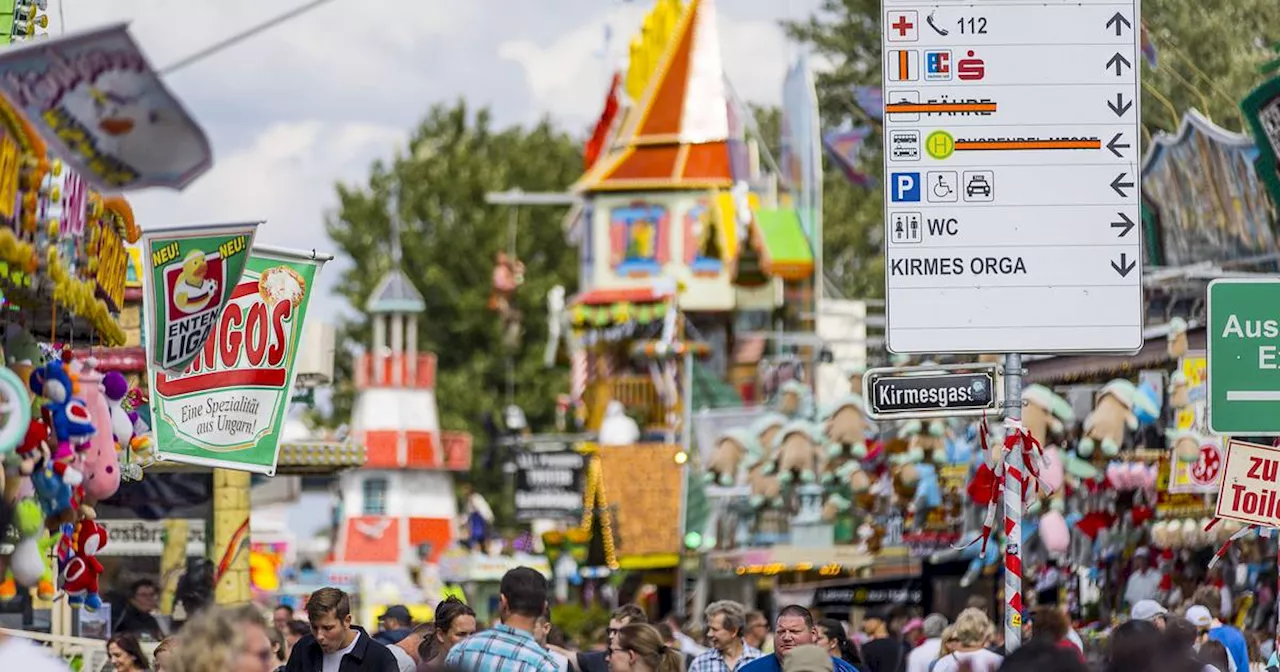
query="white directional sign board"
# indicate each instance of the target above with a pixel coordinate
(1012, 206)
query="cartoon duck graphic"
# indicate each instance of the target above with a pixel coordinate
(107, 105)
(193, 291)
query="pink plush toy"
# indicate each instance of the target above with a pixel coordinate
(1054, 533)
(102, 464)
(1051, 470)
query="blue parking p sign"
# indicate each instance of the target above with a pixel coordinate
(906, 187)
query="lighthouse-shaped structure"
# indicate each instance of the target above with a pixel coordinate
(400, 507)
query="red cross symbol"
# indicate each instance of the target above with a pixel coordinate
(902, 25)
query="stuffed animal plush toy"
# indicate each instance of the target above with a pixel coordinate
(26, 565)
(766, 489)
(1111, 419)
(846, 428)
(793, 400)
(80, 577)
(1177, 347)
(116, 387)
(1179, 391)
(766, 429)
(102, 463)
(51, 481)
(1045, 413)
(731, 451)
(68, 417)
(797, 453)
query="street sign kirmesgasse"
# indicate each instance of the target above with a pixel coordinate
(1012, 205)
(225, 409)
(188, 276)
(1244, 356)
(930, 393)
(1250, 491)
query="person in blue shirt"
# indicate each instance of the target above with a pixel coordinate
(793, 627)
(1207, 622)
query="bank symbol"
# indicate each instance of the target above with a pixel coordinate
(905, 228)
(937, 65)
(940, 144)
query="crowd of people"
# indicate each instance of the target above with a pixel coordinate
(729, 638)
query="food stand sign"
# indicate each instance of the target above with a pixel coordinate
(1249, 492)
(1244, 356)
(549, 485)
(225, 409)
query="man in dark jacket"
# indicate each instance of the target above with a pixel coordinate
(396, 623)
(334, 645)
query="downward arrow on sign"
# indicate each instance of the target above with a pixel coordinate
(1124, 266)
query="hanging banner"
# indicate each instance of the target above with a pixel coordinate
(225, 410)
(188, 277)
(94, 98)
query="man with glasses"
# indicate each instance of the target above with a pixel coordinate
(136, 618)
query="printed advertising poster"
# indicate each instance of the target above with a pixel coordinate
(225, 409)
(1249, 492)
(94, 98)
(189, 275)
(1201, 475)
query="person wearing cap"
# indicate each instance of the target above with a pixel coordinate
(1150, 611)
(1231, 639)
(808, 658)
(1144, 580)
(396, 623)
(794, 628)
(882, 652)
(928, 651)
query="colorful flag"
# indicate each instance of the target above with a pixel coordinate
(1148, 48)
(188, 277)
(94, 98)
(225, 410)
(871, 100)
(845, 147)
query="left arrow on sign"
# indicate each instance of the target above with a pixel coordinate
(1119, 185)
(1115, 145)
(1119, 62)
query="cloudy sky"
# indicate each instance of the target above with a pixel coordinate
(314, 101)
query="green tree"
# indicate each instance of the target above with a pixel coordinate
(450, 237)
(1208, 59)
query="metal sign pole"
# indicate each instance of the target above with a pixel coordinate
(1013, 485)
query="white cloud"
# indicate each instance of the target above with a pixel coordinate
(315, 100)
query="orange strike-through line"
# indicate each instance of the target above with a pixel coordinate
(906, 108)
(989, 145)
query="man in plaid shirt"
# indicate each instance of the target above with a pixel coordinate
(726, 622)
(510, 647)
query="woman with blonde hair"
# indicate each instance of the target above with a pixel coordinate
(967, 648)
(639, 648)
(224, 639)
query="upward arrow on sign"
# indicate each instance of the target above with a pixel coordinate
(1120, 22)
(1119, 62)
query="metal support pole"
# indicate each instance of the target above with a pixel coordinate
(686, 444)
(1013, 485)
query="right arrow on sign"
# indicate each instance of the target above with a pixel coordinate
(1121, 106)
(1124, 265)
(1119, 62)
(1119, 185)
(1125, 225)
(1115, 145)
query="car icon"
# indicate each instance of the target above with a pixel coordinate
(978, 186)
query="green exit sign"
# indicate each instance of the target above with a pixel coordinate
(1244, 356)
